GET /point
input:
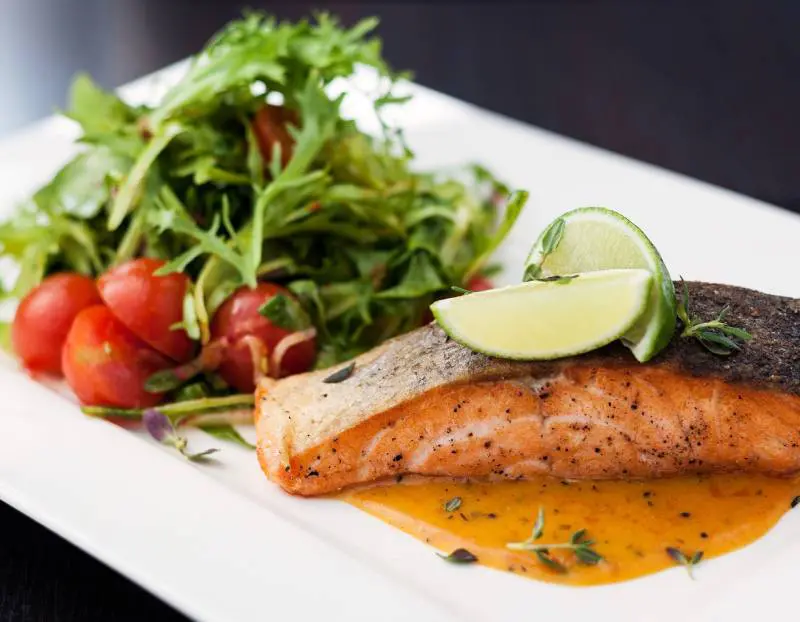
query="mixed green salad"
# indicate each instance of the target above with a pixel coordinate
(246, 172)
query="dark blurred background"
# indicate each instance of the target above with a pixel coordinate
(706, 88)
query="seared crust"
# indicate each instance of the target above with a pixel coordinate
(770, 360)
(747, 404)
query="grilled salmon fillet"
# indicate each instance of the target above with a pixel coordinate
(424, 404)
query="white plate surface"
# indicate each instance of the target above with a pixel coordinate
(222, 544)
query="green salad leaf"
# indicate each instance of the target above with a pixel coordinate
(5, 336)
(226, 432)
(247, 171)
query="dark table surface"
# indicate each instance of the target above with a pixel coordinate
(705, 88)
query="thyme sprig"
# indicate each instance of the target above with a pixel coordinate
(687, 561)
(578, 544)
(715, 335)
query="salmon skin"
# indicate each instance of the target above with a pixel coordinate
(423, 404)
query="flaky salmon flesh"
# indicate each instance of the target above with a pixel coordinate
(423, 404)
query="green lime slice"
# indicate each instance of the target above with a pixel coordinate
(542, 320)
(596, 238)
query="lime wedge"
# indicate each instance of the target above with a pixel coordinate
(542, 320)
(595, 238)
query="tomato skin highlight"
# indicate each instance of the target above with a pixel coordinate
(149, 305)
(105, 364)
(44, 317)
(238, 318)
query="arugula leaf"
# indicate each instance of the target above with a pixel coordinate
(227, 432)
(363, 240)
(130, 190)
(99, 112)
(81, 188)
(514, 208)
(282, 56)
(285, 313)
(172, 215)
(5, 337)
(421, 278)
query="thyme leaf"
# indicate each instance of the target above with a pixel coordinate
(559, 280)
(682, 559)
(163, 429)
(578, 543)
(452, 504)
(459, 556)
(714, 335)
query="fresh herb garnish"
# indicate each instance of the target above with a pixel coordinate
(795, 502)
(286, 313)
(578, 544)
(342, 219)
(550, 241)
(341, 374)
(459, 556)
(161, 428)
(226, 432)
(715, 335)
(560, 280)
(5, 336)
(687, 561)
(176, 410)
(168, 379)
(452, 504)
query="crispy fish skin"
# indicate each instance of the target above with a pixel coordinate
(424, 404)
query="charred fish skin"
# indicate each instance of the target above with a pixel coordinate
(770, 360)
(422, 403)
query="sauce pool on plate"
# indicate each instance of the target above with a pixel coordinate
(632, 523)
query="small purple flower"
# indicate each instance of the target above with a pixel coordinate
(158, 425)
(161, 428)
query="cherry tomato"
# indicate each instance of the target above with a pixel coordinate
(239, 318)
(106, 364)
(44, 317)
(149, 305)
(479, 284)
(269, 125)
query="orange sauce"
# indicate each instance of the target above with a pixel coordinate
(632, 523)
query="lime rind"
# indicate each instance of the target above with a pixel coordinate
(623, 245)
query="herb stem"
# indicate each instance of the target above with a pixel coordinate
(530, 546)
(128, 193)
(190, 409)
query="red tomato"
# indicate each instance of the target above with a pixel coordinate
(106, 364)
(239, 318)
(479, 284)
(149, 305)
(269, 126)
(44, 317)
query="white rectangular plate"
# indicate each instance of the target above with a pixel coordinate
(221, 543)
